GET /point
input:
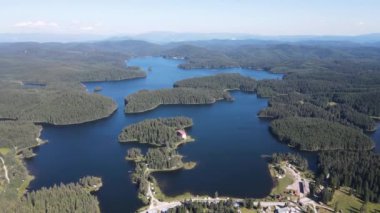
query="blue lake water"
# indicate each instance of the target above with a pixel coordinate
(230, 143)
(376, 137)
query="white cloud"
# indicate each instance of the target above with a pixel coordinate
(84, 26)
(72, 26)
(87, 28)
(36, 24)
(360, 23)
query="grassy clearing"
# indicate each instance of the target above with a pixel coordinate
(245, 210)
(321, 210)
(282, 183)
(4, 151)
(22, 189)
(350, 203)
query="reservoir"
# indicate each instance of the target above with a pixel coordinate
(229, 147)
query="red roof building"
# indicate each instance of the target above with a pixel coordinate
(182, 133)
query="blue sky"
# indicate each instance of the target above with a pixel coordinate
(263, 17)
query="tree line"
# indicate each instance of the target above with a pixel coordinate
(229, 205)
(209, 207)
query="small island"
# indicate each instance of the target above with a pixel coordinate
(91, 183)
(165, 134)
(98, 89)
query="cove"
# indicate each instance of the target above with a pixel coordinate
(230, 143)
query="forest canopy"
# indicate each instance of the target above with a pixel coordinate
(313, 134)
(64, 63)
(73, 197)
(18, 134)
(358, 170)
(220, 81)
(295, 159)
(339, 94)
(58, 107)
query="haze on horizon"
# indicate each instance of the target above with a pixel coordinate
(123, 17)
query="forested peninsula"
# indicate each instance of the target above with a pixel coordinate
(314, 134)
(19, 137)
(19, 134)
(201, 90)
(59, 107)
(150, 99)
(164, 135)
(230, 81)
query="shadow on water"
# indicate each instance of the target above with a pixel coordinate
(230, 143)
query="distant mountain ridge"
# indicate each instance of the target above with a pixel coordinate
(170, 37)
